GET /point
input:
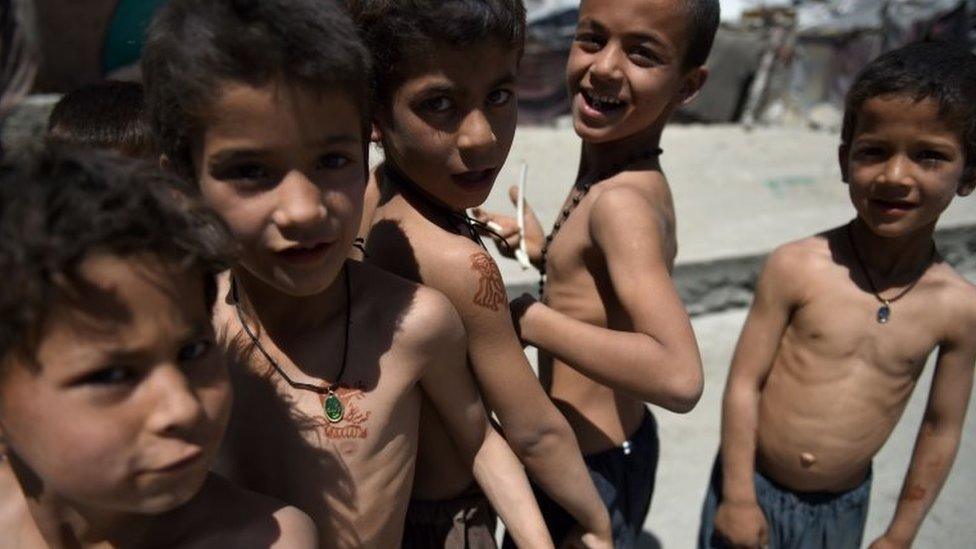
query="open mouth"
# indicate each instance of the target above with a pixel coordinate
(475, 178)
(602, 103)
(893, 205)
(304, 253)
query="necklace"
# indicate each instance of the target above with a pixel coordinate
(333, 407)
(884, 312)
(425, 203)
(581, 191)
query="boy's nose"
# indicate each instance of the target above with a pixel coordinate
(607, 64)
(177, 409)
(476, 133)
(897, 171)
(299, 202)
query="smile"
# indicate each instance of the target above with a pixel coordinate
(603, 103)
(475, 178)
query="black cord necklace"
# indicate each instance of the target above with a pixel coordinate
(884, 312)
(581, 191)
(333, 407)
(429, 205)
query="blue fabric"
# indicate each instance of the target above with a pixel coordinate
(127, 32)
(624, 478)
(796, 520)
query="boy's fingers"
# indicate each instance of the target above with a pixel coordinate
(513, 194)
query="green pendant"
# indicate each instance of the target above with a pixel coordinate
(334, 411)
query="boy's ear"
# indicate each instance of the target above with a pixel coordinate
(968, 183)
(692, 85)
(843, 158)
(165, 163)
(376, 134)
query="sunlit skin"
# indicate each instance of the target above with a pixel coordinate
(456, 114)
(817, 384)
(112, 422)
(285, 167)
(612, 323)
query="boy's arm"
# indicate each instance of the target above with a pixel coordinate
(938, 437)
(657, 360)
(448, 384)
(739, 520)
(534, 428)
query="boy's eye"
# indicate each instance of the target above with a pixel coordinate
(498, 98)
(245, 172)
(195, 351)
(932, 156)
(113, 375)
(868, 152)
(333, 162)
(589, 41)
(438, 105)
(644, 57)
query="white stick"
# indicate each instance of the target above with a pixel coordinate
(522, 253)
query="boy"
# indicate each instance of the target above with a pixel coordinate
(446, 115)
(611, 329)
(843, 322)
(113, 400)
(264, 104)
(110, 115)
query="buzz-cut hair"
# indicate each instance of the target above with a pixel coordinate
(704, 18)
(109, 115)
(941, 71)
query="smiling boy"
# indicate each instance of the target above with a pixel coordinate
(611, 329)
(843, 323)
(265, 105)
(113, 399)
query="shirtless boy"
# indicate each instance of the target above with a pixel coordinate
(264, 104)
(113, 399)
(446, 115)
(611, 329)
(843, 322)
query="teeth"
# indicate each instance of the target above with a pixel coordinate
(604, 101)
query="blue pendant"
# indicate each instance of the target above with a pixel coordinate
(884, 314)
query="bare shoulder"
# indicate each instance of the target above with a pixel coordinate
(468, 276)
(956, 298)
(631, 194)
(248, 519)
(800, 257)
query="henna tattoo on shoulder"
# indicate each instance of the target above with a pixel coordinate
(491, 288)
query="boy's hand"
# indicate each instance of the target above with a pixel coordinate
(518, 307)
(579, 538)
(742, 524)
(534, 234)
(884, 542)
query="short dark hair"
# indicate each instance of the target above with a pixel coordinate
(109, 115)
(400, 34)
(942, 71)
(195, 46)
(60, 205)
(704, 17)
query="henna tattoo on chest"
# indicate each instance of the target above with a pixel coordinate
(491, 288)
(353, 423)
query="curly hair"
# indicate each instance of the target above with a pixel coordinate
(109, 115)
(942, 71)
(401, 34)
(194, 47)
(60, 205)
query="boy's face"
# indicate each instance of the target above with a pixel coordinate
(285, 167)
(451, 123)
(904, 164)
(626, 67)
(123, 403)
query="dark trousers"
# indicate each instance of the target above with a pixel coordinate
(624, 477)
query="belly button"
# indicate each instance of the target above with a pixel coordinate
(807, 460)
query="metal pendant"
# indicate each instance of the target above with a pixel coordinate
(334, 410)
(884, 314)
